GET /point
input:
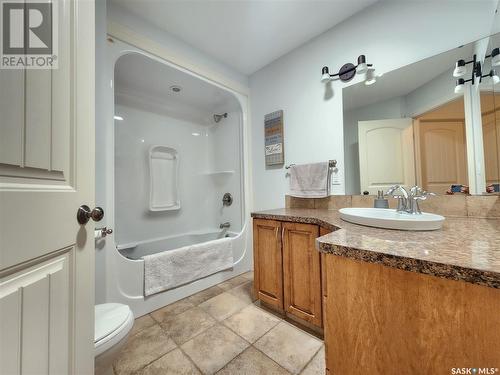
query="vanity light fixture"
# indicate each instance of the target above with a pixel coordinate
(347, 71)
(477, 74)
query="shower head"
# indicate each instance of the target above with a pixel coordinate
(217, 118)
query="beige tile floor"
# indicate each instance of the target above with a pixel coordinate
(219, 330)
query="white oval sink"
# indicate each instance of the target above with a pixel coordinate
(391, 219)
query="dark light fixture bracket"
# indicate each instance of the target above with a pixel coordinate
(347, 71)
(477, 73)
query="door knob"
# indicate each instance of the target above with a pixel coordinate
(84, 214)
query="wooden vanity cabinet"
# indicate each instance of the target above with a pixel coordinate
(287, 268)
(268, 266)
(302, 272)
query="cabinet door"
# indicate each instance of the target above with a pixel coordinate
(301, 271)
(268, 271)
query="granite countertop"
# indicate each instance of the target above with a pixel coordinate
(465, 249)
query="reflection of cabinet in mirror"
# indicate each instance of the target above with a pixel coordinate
(490, 114)
(440, 149)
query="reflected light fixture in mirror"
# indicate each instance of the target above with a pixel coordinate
(460, 69)
(459, 87)
(495, 57)
(477, 70)
(494, 76)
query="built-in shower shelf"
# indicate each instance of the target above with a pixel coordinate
(219, 173)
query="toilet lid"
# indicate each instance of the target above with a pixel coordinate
(108, 318)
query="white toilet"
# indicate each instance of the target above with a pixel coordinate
(113, 322)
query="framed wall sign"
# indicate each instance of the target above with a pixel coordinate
(273, 125)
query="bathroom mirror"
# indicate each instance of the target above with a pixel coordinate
(410, 127)
(490, 120)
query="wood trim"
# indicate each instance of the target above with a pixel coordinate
(387, 321)
(302, 272)
(324, 271)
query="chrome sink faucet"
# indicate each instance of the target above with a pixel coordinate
(402, 197)
(408, 201)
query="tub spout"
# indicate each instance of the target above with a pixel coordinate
(225, 225)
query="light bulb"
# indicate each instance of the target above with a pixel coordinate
(460, 86)
(494, 76)
(370, 78)
(362, 65)
(460, 69)
(325, 75)
(361, 68)
(325, 78)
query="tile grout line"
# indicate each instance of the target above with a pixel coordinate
(147, 364)
(217, 323)
(291, 325)
(164, 354)
(237, 311)
(310, 360)
(190, 359)
(260, 351)
(192, 338)
(258, 338)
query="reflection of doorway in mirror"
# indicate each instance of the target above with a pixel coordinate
(440, 148)
(385, 154)
(490, 116)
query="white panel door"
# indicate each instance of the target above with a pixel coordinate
(386, 154)
(46, 173)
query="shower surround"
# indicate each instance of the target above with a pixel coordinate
(176, 146)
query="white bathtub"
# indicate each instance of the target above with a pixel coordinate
(120, 270)
(137, 250)
(127, 269)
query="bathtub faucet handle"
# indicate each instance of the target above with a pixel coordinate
(227, 199)
(105, 231)
(225, 225)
